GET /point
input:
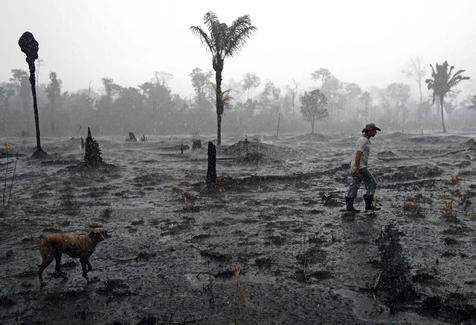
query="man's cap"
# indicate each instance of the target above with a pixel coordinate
(370, 127)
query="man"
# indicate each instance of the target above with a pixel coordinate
(360, 171)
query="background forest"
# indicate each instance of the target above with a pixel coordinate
(252, 106)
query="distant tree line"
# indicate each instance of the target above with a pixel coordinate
(250, 105)
(152, 108)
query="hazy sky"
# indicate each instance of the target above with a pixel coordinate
(367, 42)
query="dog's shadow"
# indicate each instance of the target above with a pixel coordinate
(64, 278)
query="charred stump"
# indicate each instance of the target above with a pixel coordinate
(132, 137)
(212, 164)
(92, 155)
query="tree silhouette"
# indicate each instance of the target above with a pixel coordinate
(223, 41)
(200, 83)
(29, 46)
(250, 81)
(293, 92)
(366, 100)
(416, 70)
(441, 83)
(21, 85)
(399, 95)
(472, 104)
(313, 106)
(53, 92)
(322, 75)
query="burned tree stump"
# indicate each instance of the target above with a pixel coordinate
(29, 46)
(197, 144)
(132, 137)
(92, 155)
(212, 164)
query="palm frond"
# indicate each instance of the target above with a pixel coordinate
(237, 25)
(238, 33)
(206, 40)
(227, 98)
(210, 19)
(456, 79)
(239, 40)
(429, 83)
(451, 70)
(433, 72)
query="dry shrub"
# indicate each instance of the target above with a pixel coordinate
(448, 211)
(241, 293)
(455, 180)
(413, 209)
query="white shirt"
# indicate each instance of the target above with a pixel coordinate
(363, 145)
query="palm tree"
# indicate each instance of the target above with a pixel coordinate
(441, 83)
(223, 41)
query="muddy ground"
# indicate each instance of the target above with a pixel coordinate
(268, 245)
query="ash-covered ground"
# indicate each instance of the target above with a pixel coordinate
(269, 245)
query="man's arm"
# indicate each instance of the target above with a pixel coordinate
(358, 157)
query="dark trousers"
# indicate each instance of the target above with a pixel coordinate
(369, 182)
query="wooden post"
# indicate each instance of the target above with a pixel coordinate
(212, 164)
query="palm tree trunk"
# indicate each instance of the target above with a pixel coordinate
(219, 101)
(218, 129)
(442, 114)
(312, 126)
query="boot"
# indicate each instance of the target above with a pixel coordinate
(369, 206)
(349, 203)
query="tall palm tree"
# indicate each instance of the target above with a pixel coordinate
(223, 41)
(441, 83)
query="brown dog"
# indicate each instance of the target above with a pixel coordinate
(76, 246)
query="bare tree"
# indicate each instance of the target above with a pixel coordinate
(416, 70)
(292, 91)
(163, 77)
